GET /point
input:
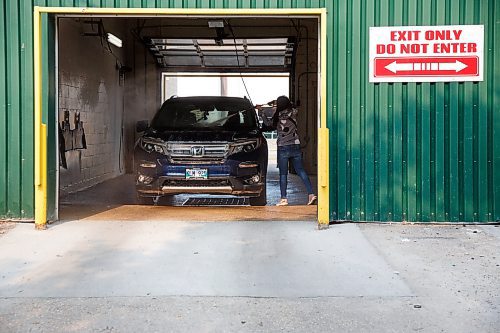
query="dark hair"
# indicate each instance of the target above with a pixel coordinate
(282, 103)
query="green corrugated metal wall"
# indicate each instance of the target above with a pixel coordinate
(16, 110)
(414, 152)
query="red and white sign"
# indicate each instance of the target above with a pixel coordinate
(426, 53)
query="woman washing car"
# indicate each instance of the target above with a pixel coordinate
(285, 122)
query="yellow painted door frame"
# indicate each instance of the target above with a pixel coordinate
(41, 128)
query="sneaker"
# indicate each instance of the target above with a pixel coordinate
(312, 199)
(283, 202)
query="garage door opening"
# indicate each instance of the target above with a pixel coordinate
(103, 90)
(262, 88)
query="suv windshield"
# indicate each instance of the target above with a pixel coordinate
(223, 113)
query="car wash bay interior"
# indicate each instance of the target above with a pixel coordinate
(102, 90)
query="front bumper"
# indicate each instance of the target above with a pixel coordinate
(167, 185)
(232, 178)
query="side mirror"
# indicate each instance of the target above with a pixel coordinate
(141, 126)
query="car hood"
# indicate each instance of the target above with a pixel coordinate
(203, 136)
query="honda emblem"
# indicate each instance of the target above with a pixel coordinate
(197, 151)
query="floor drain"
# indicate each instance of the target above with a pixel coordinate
(216, 202)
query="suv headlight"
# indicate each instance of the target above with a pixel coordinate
(151, 146)
(244, 146)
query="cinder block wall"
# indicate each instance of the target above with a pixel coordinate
(89, 84)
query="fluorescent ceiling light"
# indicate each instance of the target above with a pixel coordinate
(114, 40)
(215, 24)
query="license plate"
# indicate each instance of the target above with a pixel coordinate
(196, 173)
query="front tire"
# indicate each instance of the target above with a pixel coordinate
(261, 200)
(145, 201)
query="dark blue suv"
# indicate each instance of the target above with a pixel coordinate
(210, 145)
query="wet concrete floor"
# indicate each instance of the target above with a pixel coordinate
(115, 199)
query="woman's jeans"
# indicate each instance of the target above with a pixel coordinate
(293, 153)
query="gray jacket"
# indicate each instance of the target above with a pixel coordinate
(286, 127)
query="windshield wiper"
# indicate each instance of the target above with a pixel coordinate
(222, 120)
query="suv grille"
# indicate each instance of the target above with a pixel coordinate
(197, 152)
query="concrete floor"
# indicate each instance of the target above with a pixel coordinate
(115, 199)
(157, 276)
(255, 259)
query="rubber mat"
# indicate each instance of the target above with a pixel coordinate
(214, 201)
